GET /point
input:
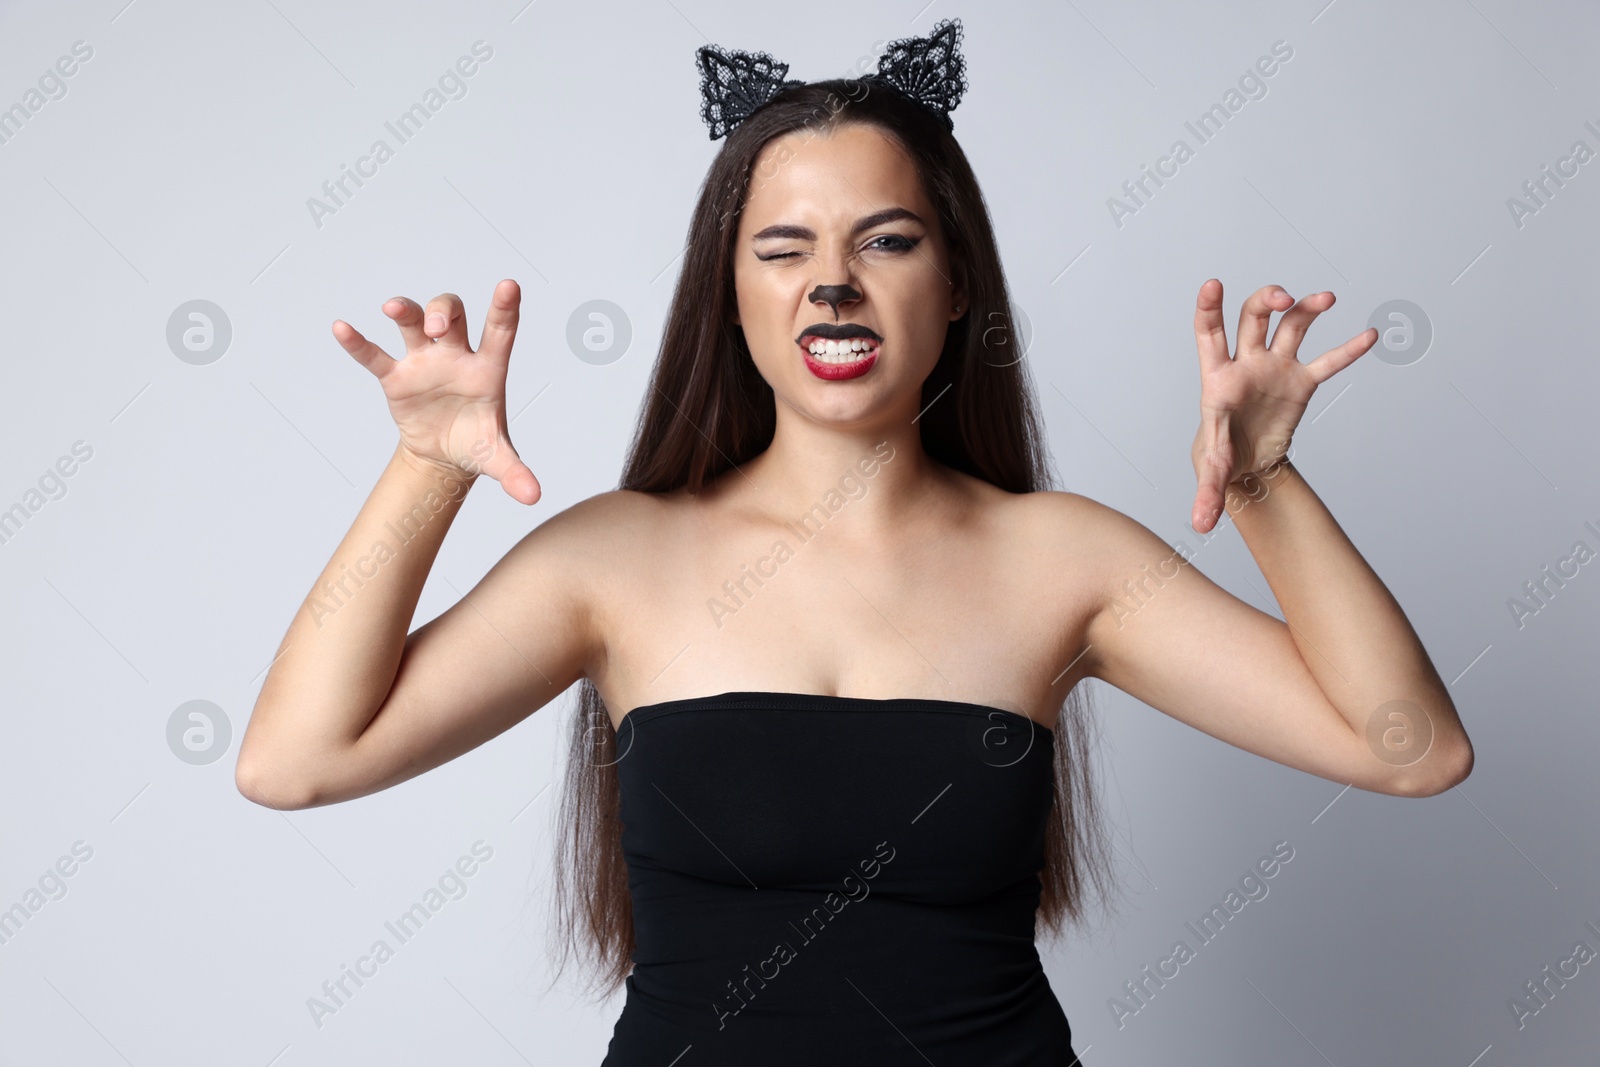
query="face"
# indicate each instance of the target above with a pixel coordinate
(838, 237)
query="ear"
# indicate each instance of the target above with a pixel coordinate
(959, 302)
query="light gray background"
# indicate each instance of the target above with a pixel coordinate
(177, 167)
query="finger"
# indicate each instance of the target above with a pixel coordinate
(446, 321)
(1207, 509)
(1291, 329)
(1211, 472)
(522, 486)
(407, 314)
(1257, 313)
(507, 468)
(1210, 336)
(500, 324)
(1335, 360)
(365, 352)
(1213, 467)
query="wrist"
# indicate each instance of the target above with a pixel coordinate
(1254, 488)
(436, 471)
(1271, 473)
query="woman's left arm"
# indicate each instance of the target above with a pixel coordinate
(1351, 632)
(1344, 655)
(1336, 608)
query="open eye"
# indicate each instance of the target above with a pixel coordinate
(904, 244)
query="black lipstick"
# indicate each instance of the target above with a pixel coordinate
(838, 331)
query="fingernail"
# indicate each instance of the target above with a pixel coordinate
(434, 322)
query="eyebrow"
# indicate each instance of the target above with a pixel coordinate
(867, 222)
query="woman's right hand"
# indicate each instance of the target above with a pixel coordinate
(448, 401)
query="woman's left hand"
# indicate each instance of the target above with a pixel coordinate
(1250, 403)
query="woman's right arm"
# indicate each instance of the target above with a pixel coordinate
(351, 704)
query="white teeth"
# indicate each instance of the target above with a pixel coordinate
(849, 350)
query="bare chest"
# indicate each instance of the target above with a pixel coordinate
(981, 614)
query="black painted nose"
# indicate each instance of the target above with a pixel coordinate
(834, 295)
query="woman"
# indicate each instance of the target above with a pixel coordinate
(829, 765)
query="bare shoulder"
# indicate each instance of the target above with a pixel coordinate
(1094, 546)
(581, 551)
(609, 522)
(570, 567)
(1079, 525)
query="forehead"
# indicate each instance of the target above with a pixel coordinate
(831, 178)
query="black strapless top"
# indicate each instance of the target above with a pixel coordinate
(835, 880)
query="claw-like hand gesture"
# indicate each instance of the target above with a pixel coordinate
(1251, 403)
(449, 401)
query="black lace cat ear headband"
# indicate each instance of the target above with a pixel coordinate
(929, 70)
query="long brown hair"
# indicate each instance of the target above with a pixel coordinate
(707, 410)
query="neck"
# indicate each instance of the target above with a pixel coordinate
(876, 472)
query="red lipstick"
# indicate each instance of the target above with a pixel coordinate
(855, 349)
(838, 372)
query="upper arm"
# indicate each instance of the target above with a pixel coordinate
(1169, 636)
(523, 635)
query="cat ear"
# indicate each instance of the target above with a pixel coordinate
(734, 83)
(928, 69)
